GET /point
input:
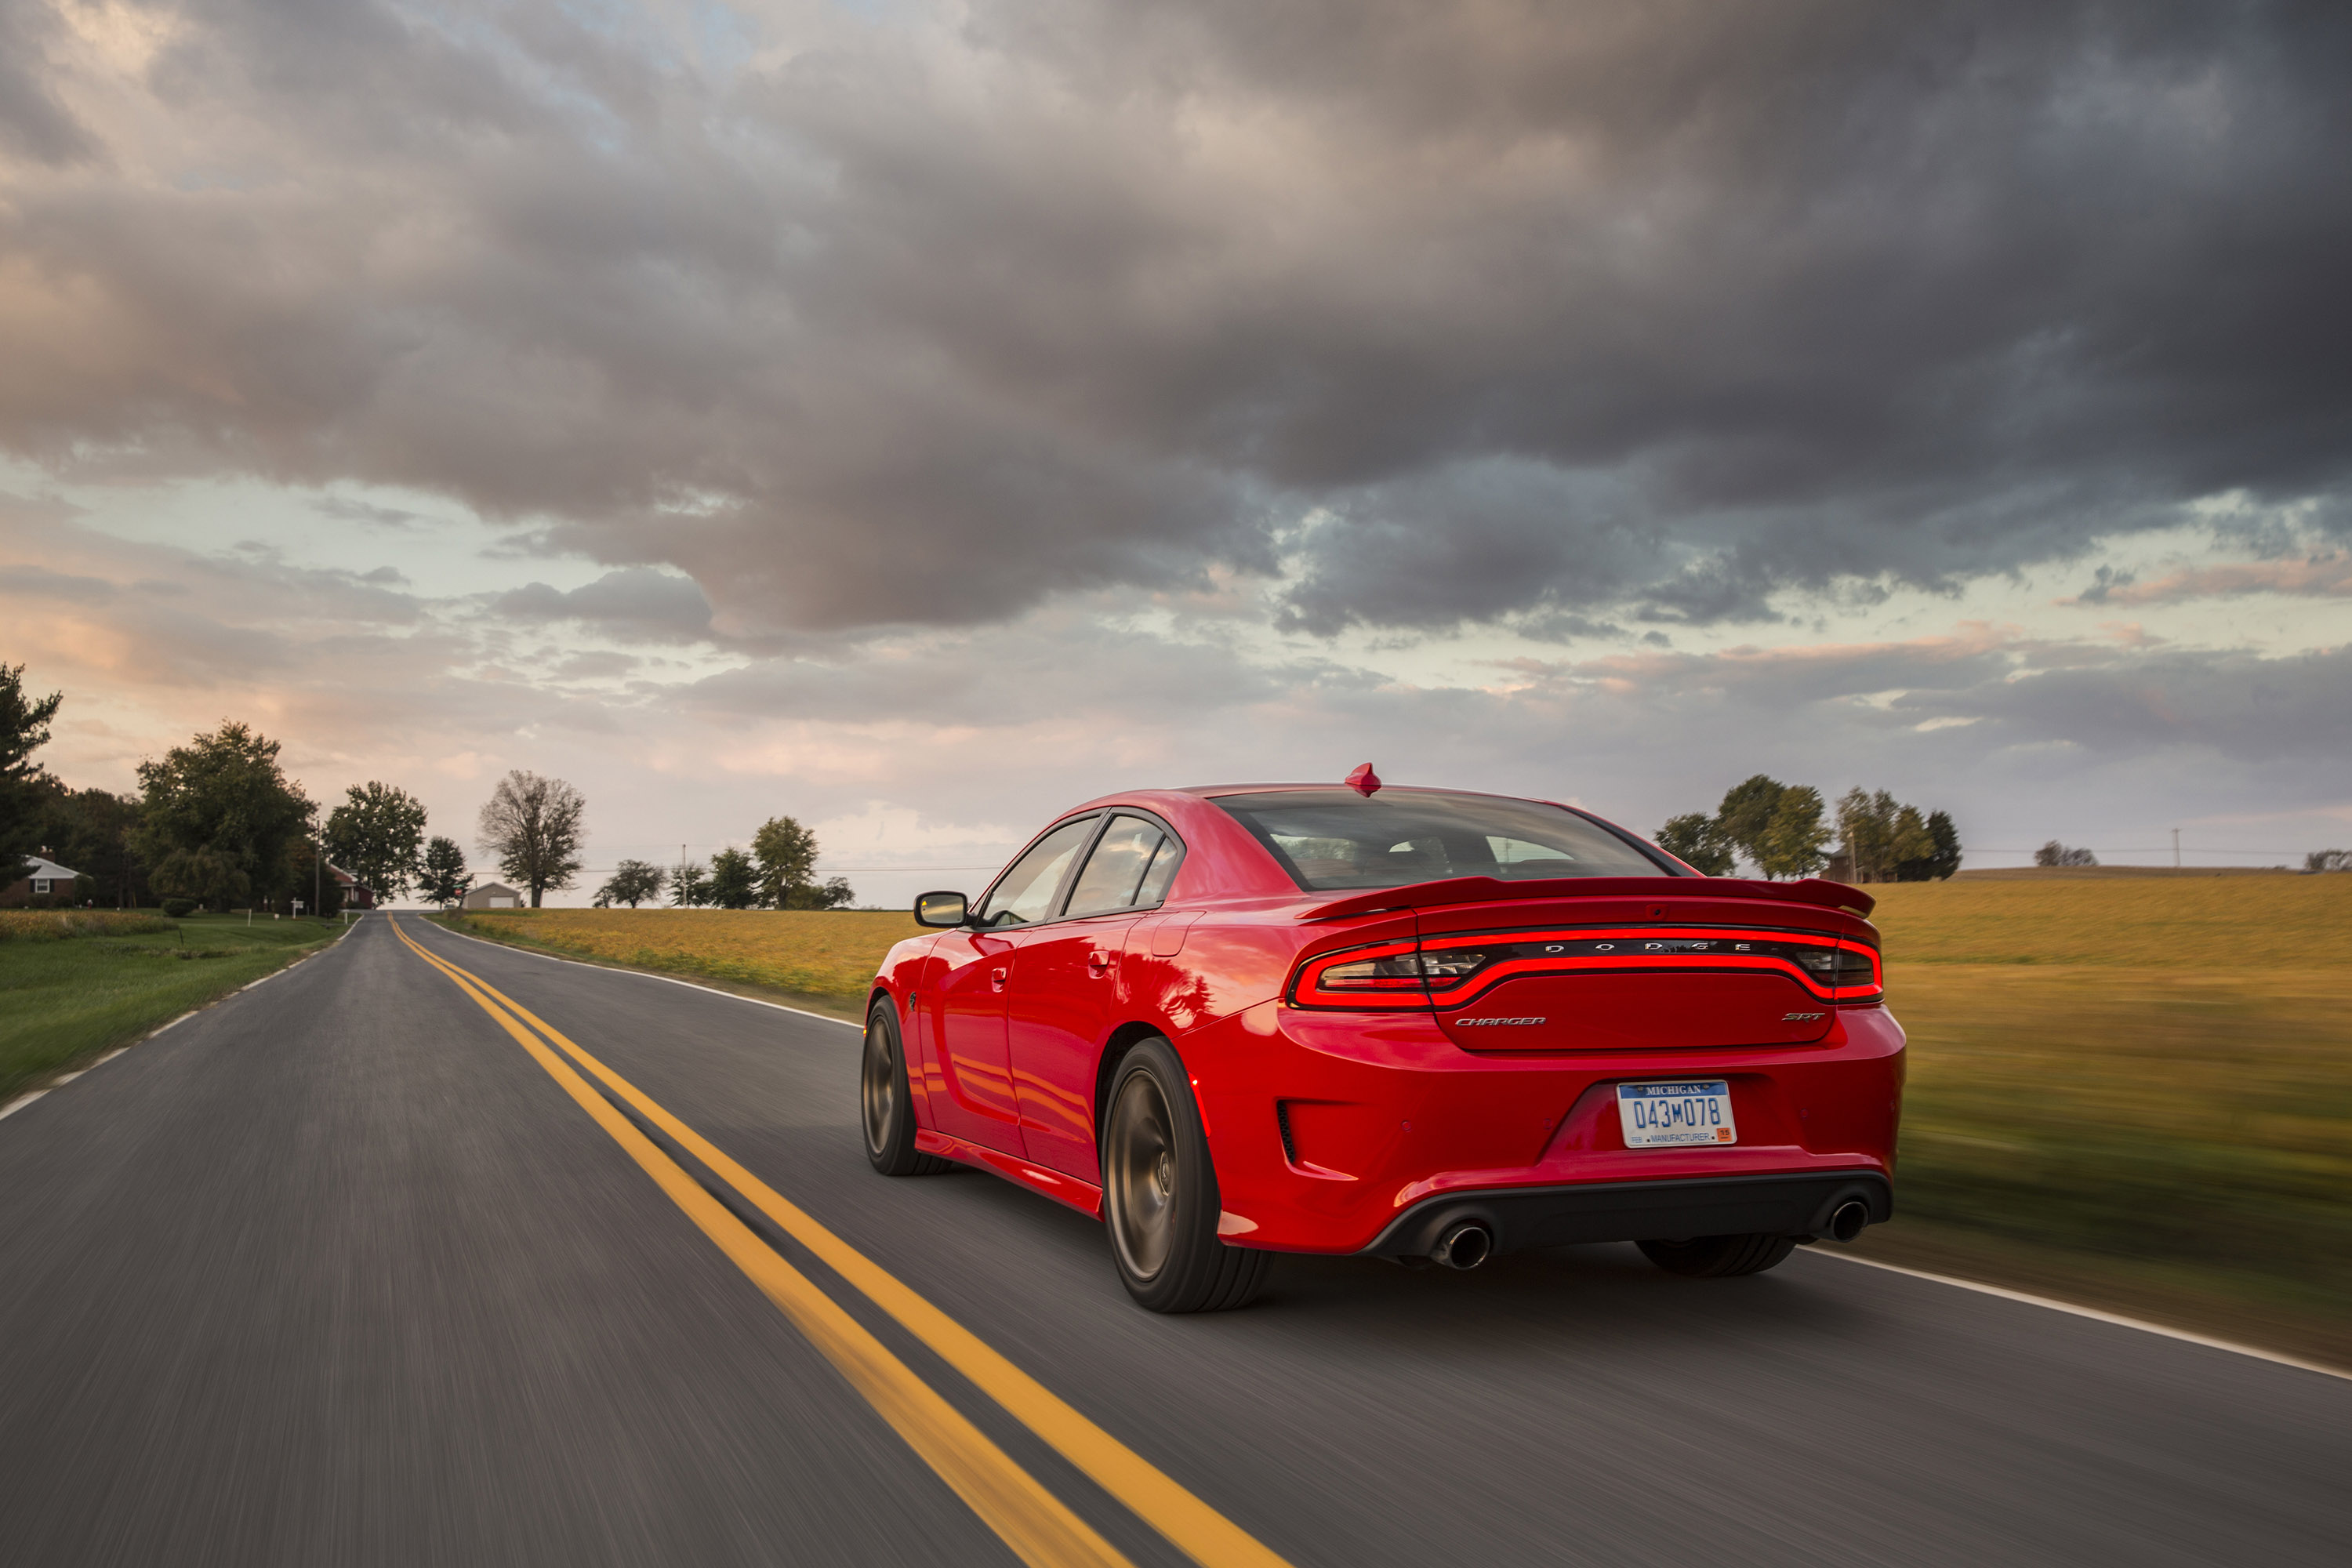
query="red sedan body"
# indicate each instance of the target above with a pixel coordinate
(1379, 1054)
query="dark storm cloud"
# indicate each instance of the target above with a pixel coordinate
(1011, 676)
(637, 605)
(33, 123)
(1562, 316)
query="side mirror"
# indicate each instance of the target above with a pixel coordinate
(946, 910)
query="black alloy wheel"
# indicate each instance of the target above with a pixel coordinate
(1160, 1194)
(883, 1101)
(1718, 1256)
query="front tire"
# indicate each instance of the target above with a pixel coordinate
(1718, 1256)
(1160, 1194)
(886, 1110)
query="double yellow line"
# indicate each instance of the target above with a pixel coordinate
(1037, 1525)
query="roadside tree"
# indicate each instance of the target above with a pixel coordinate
(1878, 836)
(531, 825)
(2328, 861)
(90, 830)
(787, 854)
(444, 878)
(1943, 857)
(690, 885)
(377, 835)
(734, 880)
(1746, 815)
(1796, 839)
(23, 730)
(207, 877)
(1698, 838)
(311, 879)
(223, 794)
(2057, 854)
(836, 894)
(633, 882)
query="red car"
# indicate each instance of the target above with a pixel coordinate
(1416, 1023)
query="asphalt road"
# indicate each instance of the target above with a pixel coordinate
(337, 1272)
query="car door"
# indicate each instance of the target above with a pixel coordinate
(1065, 989)
(974, 1098)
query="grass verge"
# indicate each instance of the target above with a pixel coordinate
(2168, 1143)
(68, 993)
(2198, 1300)
(821, 959)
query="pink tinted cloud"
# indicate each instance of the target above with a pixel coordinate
(2318, 576)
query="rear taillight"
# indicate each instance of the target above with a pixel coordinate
(1857, 976)
(1384, 975)
(1452, 971)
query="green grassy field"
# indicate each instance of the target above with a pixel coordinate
(66, 997)
(2132, 1090)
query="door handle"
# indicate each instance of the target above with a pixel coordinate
(1099, 963)
(996, 979)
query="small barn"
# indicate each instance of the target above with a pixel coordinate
(493, 896)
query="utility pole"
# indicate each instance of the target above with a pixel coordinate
(2176, 849)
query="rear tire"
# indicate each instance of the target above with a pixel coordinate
(1160, 1194)
(886, 1108)
(1718, 1256)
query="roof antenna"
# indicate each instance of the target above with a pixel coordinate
(1363, 781)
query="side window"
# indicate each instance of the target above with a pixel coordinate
(1130, 867)
(1162, 872)
(1026, 893)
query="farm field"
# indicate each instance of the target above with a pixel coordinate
(2133, 1092)
(73, 984)
(817, 959)
(2130, 1090)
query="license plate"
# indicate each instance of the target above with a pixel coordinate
(1676, 1115)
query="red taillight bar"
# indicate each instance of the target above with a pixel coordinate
(1644, 947)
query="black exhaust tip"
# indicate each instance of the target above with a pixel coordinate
(1847, 1219)
(1465, 1247)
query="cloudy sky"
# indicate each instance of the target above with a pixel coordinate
(917, 417)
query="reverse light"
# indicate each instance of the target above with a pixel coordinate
(1386, 974)
(1372, 973)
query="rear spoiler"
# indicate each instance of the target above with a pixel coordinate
(1487, 890)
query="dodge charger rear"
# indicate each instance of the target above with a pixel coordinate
(1423, 1025)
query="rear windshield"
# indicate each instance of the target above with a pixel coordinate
(1336, 839)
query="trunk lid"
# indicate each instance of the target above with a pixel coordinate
(1635, 963)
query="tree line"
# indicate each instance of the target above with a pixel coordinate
(778, 872)
(217, 824)
(1787, 830)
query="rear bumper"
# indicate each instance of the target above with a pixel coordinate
(1792, 1205)
(1329, 1129)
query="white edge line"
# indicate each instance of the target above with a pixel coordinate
(647, 974)
(2094, 1313)
(59, 1082)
